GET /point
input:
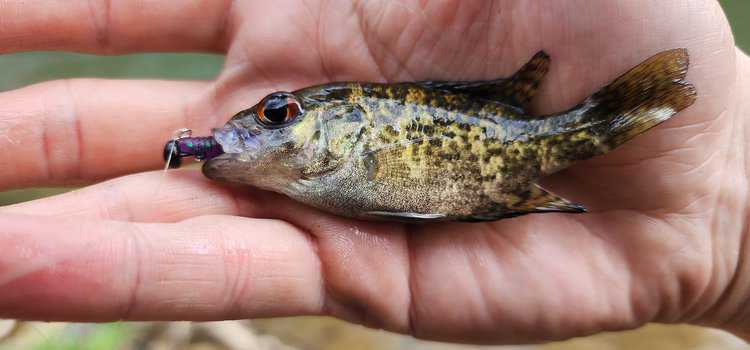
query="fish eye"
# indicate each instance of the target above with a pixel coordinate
(278, 109)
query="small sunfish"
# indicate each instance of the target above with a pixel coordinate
(434, 150)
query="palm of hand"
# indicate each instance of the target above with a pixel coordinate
(642, 254)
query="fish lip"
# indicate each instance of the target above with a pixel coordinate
(228, 157)
(235, 139)
(223, 157)
(213, 168)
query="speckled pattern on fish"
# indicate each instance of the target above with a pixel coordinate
(438, 150)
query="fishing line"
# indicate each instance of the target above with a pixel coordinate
(177, 135)
(172, 148)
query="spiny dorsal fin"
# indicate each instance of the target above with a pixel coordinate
(518, 90)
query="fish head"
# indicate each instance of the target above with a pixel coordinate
(274, 143)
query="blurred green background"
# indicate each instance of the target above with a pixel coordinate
(26, 68)
(738, 12)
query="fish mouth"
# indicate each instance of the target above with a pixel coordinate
(225, 142)
(236, 143)
(221, 167)
(235, 139)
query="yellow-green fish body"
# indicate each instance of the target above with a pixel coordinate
(428, 151)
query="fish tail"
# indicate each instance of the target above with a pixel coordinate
(642, 98)
(637, 101)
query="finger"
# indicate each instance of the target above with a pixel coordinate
(73, 131)
(170, 197)
(366, 263)
(150, 197)
(110, 27)
(205, 269)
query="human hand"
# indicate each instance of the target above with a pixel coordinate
(664, 241)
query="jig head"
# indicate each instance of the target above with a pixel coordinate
(184, 145)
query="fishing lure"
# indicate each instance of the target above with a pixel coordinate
(433, 150)
(184, 145)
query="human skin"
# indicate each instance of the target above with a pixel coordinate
(664, 241)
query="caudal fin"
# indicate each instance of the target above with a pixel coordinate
(642, 98)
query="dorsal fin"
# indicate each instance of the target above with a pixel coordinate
(518, 90)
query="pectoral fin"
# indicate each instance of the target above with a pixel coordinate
(516, 91)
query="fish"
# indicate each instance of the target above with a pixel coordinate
(430, 151)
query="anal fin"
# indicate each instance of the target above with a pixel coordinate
(540, 200)
(533, 200)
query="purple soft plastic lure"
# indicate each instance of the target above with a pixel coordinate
(201, 148)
